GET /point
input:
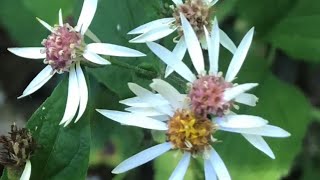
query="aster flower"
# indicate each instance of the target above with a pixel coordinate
(169, 111)
(212, 95)
(197, 12)
(63, 51)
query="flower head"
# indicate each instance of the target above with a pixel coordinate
(63, 51)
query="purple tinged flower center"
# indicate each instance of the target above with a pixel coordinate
(206, 95)
(63, 47)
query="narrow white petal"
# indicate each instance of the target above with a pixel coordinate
(131, 119)
(179, 50)
(113, 50)
(181, 168)
(267, 130)
(83, 90)
(140, 102)
(219, 166)
(73, 98)
(154, 34)
(247, 99)
(147, 96)
(259, 143)
(60, 18)
(95, 58)
(27, 171)
(29, 52)
(43, 77)
(213, 2)
(46, 25)
(226, 42)
(92, 36)
(213, 47)
(235, 91)
(168, 92)
(209, 172)
(151, 25)
(239, 56)
(241, 121)
(142, 157)
(177, 2)
(172, 60)
(87, 13)
(145, 111)
(193, 45)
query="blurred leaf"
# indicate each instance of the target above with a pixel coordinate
(63, 152)
(4, 175)
(298, 33)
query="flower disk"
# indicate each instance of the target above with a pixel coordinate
(190, 133)
(206, 96)
(63, 46)
(198, 14)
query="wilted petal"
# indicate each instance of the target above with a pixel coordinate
(247, 99)
(87, 13)
(240, 121)
(29, 52)
(239, 56)
(259, 143)
(219, 166)
(267, 130)
(95, 58)
(131, 119)
(181, 168)
(235, 91)
(154, 34)
(73, 98)
(193, 45)
(151, 25)
(113, 50)
(43, 77)
(142, 157)
(179, 50)
(171, 60)
(83, 90)
(209, 172)
(27, 171)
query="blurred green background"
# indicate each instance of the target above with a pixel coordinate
(284, 59)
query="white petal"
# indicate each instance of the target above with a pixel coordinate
(147, 96)
(193, 45)
(177, 2)
(171, 60)
(83, 89)
(226, 42)
(27, 171)
(43, 77)
(60, 18)
(140, 102)
(151, 25)
(219, 166)
(213, 47)
(181, 168)
(142, 157)
(131, 119)
(209, 172)
(73, 98)
(213, 2)
(267, 130)
(95, 58)
(145, 111)
(87, 13)
(247, 99)
(113, 50)
(235, 91)
(241, 121)
(29, 52)
(92, 36)
(46, 25)
(179, 50)
(259, 143)
(168, 92)
(154, 34)
(239, 56)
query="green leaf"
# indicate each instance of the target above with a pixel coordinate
(4, 175)
(298, 33)
(63, 152)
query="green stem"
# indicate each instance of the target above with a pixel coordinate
(134, 68)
